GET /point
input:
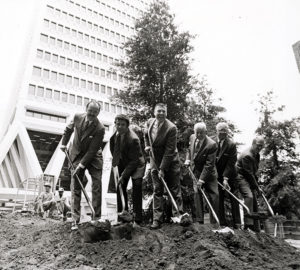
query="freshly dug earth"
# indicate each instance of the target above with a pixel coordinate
(27, 242)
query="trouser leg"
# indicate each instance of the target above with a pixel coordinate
(76, 195)
(119, 200)
(223, 221)
(137, 199)
(211, 189)
(96, 175)
(247, 194)
(158, 190)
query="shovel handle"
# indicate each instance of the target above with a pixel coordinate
(205, 197)
(117, 177)
(267, 203)
(81, 185)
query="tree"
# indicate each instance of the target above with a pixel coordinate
(280, 160)
(157, 65)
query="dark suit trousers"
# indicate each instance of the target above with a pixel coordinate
(211, 190)
(250, 200)
(235, 207)
(96, 175)
(136, 198)
(172, 178)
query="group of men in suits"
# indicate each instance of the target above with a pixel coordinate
(212, 160)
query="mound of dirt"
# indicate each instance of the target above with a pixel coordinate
(27, 242)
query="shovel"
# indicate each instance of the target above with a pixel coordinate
(124, 215)
(182, 219)
(81, 185)
(204, 195)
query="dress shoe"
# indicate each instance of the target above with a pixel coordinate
(155, 225)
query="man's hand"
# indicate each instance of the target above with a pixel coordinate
(78, 170)
(200, 183)
(121, 181)
(63, 148)
(161, 174)
(187, 163)
(225, 183)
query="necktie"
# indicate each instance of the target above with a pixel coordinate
(117, 151)
(85, 126)
(197, 148)
(219, 148)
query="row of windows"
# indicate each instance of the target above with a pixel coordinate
(80, 35)
(92, 14)
(62, 60)
(60, 96)
(69, 80)
(59, 43)
(46, 116)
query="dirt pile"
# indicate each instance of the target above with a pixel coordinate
(32, 243)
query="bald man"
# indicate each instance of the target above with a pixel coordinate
(247, 167)
(201, 156)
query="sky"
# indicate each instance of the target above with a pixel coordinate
(244, 47)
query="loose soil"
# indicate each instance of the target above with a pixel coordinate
(27, 242)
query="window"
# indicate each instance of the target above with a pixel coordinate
(59, 43)
(83, 67)
(104, 44)
(66, 45)
(90, 25)
(39, 54)
(44, 38)
(115, 91)
(31, 89)
(96, 71)
(114, 76)
(76, 82)
(93, 40)
(72, 99)
(103, 89)
(67, 30)
(79, 100)
(55, 58)
(120, 78)
(69, 80)
(37, 71)
(106, 107)
(80, 35)
(125, 110)
(74, 33)
(111, 60)
(96, 87)
(76, 64)
(56, 95)
(64, 97)
(53, 76)
(69, 63)
(40, 91)
(47, 56)
(86, 38)
(87, 52)
(102, 73)
(98, 41)
(119, 109)
(86, 101)
(73, 48)
(108, 75)
(46, 74)
(110, 46)
(90, 86)
(52, 41)
(80, 50)
(105, 58)
(83, 83)
(109, 90)
(61, 78)
(62, 60)
(60, 28)
(48, 93)
(113, 108)
(93, 54)
(99, 56)
(90, 69)
(116, 48)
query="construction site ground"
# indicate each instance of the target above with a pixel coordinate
(28, 242)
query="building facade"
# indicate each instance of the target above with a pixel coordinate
(70, 56)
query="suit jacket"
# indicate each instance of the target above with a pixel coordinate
(132, 161)
(204, 160)
(247, 167)
(86, 147)
(164, 145)
(226, 159)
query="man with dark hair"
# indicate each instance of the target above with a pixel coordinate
(201, 156)
(225, 162)
(247, 167)
(128, 157)
(161, 142)
(85, 153)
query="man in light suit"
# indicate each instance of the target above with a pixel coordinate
(127, 154)
(225, 163)
(201, 156)
(247, 167)
(161, 142)
(86, 153)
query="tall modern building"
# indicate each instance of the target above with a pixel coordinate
(296, 49)
(68, 60)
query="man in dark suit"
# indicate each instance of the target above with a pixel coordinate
(85, 153)
(161, 142)
(201, 156)
(247, 167)
(225, 162)
(127, 155)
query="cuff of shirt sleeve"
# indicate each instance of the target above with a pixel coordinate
(81, 166)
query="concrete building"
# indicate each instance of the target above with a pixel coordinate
(296, 49)
(69, 53)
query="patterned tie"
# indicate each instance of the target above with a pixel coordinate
(219, 149)
(85, 126)
(197, 148)
(117, 151)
